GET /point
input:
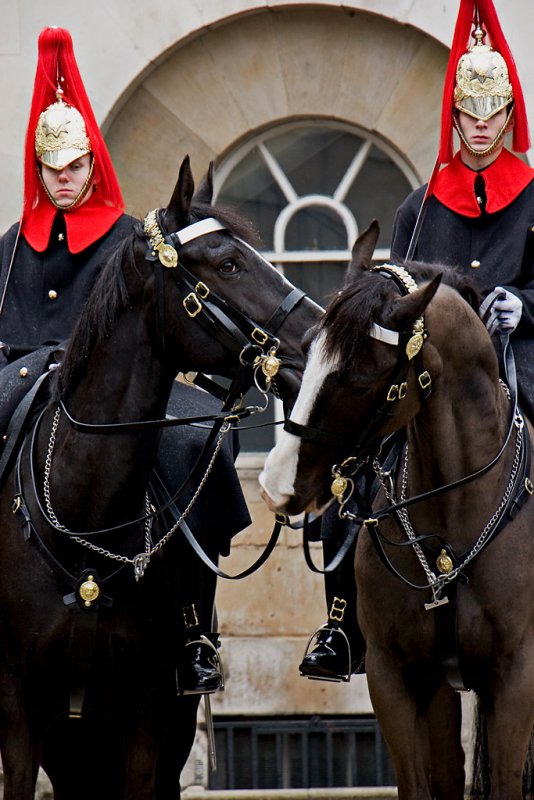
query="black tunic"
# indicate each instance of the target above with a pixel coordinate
(46, 291)
(495, 249)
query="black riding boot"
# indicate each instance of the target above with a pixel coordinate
(339, 647)
(200, 670)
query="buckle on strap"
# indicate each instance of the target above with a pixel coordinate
(259, 336)
(202, 290)
(337, 609)
(424, 379)
(397, 391)
(192, 304)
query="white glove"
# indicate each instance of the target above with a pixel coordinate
(502, 312)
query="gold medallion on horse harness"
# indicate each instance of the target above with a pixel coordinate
(444, 562)
(339, 486)
(414, 344)
(270, 366)
(89, 590)
(167, 255)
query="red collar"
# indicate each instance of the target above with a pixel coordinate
(85, 225)
(504, 180)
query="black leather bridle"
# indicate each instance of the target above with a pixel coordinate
(238, 333)
(369, 438)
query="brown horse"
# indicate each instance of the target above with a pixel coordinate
(445, 558)
(91, 575)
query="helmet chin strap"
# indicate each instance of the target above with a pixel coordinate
(495, 143)
(78, 200)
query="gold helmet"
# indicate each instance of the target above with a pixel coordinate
(60, 135)
(481, 78)
(62, 128)
(483, 86)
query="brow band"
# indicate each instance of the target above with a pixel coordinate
(384, 335)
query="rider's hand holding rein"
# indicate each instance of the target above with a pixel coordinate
(504, 312)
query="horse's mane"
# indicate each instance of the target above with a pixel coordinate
(110, 294)
(363, 301)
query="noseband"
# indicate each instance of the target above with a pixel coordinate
(255, 345)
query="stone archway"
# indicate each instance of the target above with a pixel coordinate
(269, 66)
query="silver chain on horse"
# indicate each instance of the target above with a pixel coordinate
(141, 561)
(438, 582)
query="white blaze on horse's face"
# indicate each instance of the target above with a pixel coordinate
(278, 477)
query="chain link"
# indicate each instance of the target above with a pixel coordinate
(140, 561)
(437, 583)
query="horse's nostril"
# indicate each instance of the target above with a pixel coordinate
(272, 505)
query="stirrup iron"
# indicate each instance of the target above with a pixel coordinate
(204, 640)
(343, 678)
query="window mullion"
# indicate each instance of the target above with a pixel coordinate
(352, 172)
(278, 174)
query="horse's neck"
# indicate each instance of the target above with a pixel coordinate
(123, 381)
(124, 377)
(458, 430)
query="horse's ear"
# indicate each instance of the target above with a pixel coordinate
(413, 305)
(364, 247)
(178, 212)
(204, 193)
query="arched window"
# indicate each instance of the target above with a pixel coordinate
(310, 188)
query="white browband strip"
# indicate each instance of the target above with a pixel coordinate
(199, 229)
(384, 335)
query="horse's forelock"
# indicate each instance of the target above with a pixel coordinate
(350, 314)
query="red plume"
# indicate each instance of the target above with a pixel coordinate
(56, 65)
(460, 44)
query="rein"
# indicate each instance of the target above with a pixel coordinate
(139, 561)
(150, 424)
(448, 568)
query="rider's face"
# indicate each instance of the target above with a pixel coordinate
(65, 185)
(480, 134)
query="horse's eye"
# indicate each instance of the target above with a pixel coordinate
(228, 267)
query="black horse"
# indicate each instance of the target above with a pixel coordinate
(89, 575)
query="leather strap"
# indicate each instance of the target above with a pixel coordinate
(17, 426)
(287, 305)
(198, 549)
(80, 654)
(446, 617)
